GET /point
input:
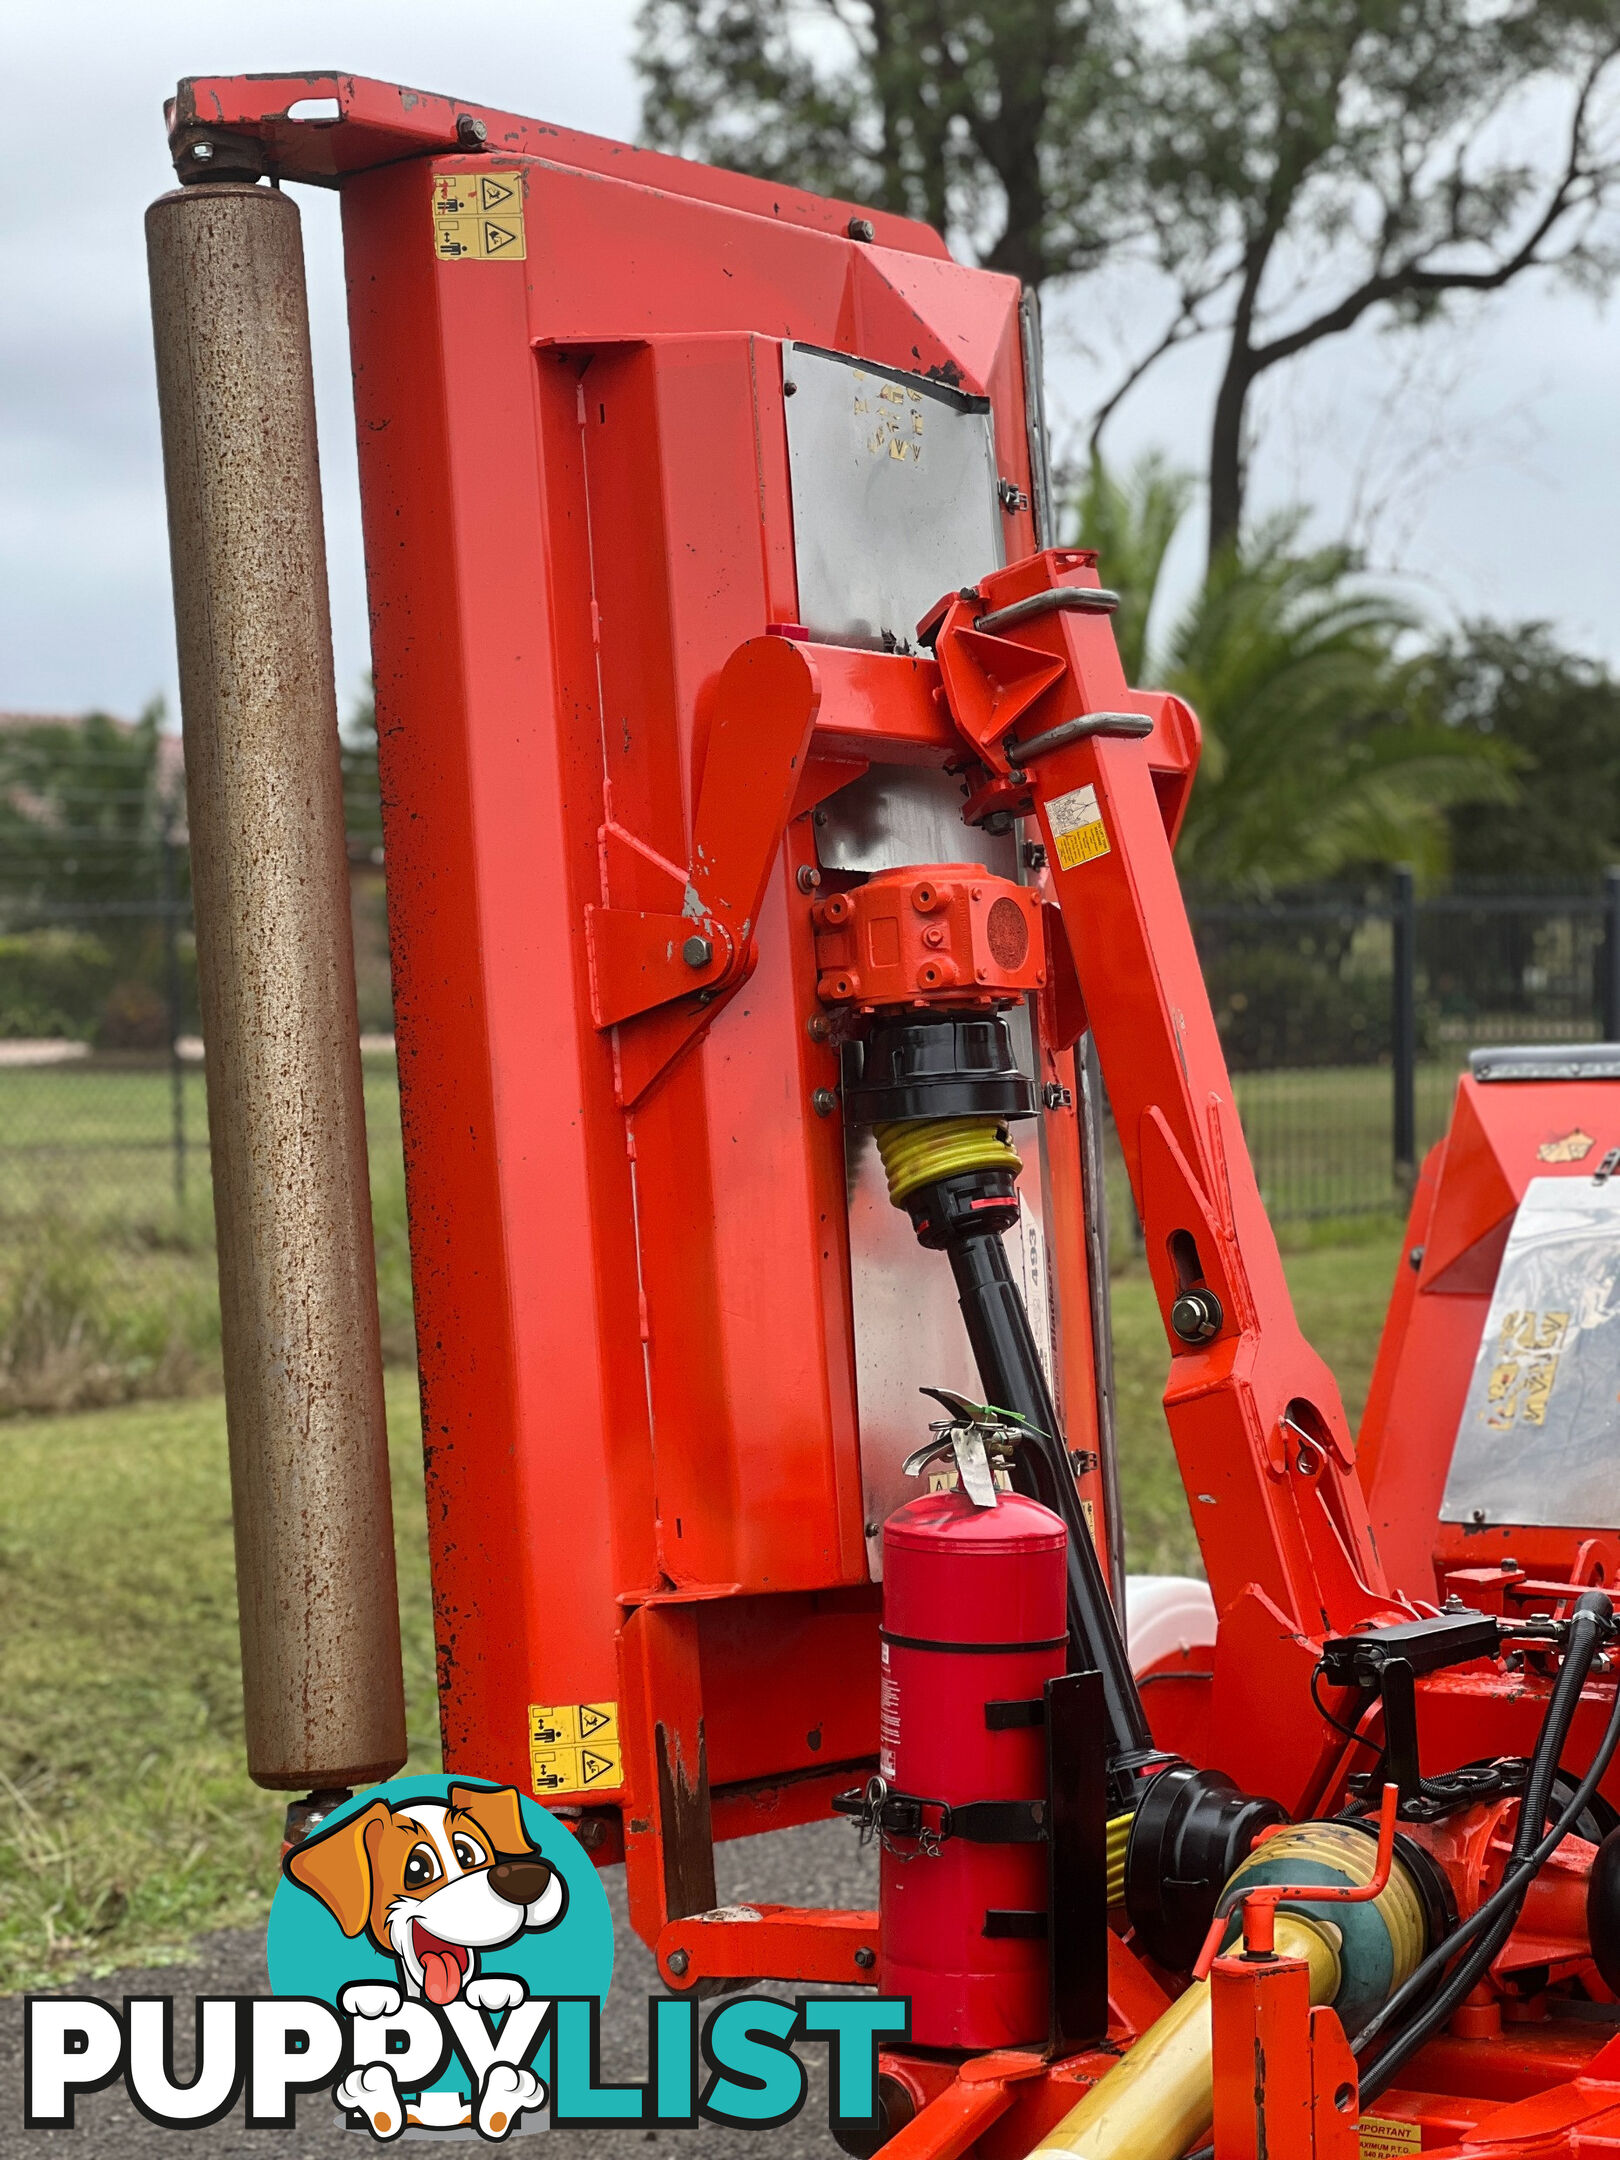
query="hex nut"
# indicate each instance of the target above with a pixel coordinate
(697, 952)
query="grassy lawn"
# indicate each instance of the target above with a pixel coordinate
(107, 1284)
(1340, 1293)
(127, 1824)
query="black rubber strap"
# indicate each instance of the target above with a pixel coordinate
(1007, 1716)
(971, 1649)
(1010, 1923)
(978, 1822)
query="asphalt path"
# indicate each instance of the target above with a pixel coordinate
(820, 1864)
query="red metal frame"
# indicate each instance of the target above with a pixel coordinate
(602, 735)
(1502, 1134)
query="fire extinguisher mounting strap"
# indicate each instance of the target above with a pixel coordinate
(971, 1649)
(911, 1815)
(1008, 1716)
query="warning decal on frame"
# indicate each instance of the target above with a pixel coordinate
(1078, 832)
(574, 1747)
(1384, 2137)
(478, 217)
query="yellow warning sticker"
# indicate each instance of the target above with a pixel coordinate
(1078, 832)
(478, 217)
(574, 1747)
(1383, 2137)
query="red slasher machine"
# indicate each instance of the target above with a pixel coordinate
(777, 858)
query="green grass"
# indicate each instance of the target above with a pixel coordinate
(1340, 1294)
(127, 1823)
(107, 1283)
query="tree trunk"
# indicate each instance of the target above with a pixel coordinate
(1227, 476)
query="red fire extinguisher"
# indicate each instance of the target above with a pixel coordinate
(974, 1618)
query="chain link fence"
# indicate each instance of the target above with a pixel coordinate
(1346, 1019)
(107, 1284)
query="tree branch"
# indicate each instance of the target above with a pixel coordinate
(1414, 277)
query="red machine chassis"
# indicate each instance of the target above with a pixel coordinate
(601, 726)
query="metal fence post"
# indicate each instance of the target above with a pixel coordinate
(1404, 1025)
(1609, 982)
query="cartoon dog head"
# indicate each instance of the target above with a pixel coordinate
(432, 1884)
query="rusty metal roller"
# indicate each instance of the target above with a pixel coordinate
(303, 1367)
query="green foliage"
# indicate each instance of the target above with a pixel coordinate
(90, 828)
(78, 1327)
(1131, 522)
(1282, 169)
(992, 120)
(1558, 715)
(83, 809)
(362, 793)
(53, 982)
(1289, 1009)
(1320, 754)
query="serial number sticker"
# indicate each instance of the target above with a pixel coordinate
(1383, 2137)
(478, 217)
(574, 1747)
(1078, 832)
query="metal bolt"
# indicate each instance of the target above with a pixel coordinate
(1012, 495)
(471, 132)
(1479, 1514)
(824, 1102)
(790, 389)
(861, 228)
(1034, 855)
(202, 151)
(1056, 1096)
(677, 1962)
(809, 878)
(1414, 1258)
(1196, 1316)
(865, 1958)
(819, 1027)
(697, 952)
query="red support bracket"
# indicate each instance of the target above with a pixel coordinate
(825, 1945)
(659, 974)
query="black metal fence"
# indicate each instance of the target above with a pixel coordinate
(1346, 1018)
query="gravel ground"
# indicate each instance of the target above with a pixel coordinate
(818, 1865)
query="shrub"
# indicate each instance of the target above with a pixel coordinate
(52, 983)
(1276, 1007)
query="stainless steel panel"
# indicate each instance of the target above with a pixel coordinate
(894, 496)
(908, 1326)
(895, 815)
(1538, 1442)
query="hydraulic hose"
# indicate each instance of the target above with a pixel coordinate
(1489, 1928)
(1013, 1379)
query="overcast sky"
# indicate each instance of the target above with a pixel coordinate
(1495, 472)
